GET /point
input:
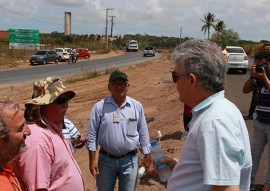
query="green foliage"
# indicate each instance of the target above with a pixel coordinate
(209, 20)
(227, 37)
(219, 27)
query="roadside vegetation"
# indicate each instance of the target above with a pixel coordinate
(215, 29)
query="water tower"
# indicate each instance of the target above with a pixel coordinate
(67, 23)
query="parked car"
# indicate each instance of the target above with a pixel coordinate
(43, 57)
(149, 51)
(83, 53)
(238, 59)
(64, 53)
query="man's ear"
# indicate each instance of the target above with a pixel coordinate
(193, 79)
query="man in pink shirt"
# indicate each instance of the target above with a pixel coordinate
(48, 163)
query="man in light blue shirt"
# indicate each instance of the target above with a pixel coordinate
(216, 155)
(117, 123)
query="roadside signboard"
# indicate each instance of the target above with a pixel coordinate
(24, 39)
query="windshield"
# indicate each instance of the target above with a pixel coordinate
(235, 50)
(41, 52)
(148, 48)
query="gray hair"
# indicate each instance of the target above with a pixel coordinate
(205, 60)
(4, 106)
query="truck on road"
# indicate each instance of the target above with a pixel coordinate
(132, 45)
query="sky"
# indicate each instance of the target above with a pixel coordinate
(249, 18)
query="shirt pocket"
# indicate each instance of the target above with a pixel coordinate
(131, 128)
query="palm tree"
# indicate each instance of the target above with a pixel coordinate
(220, 26)
(209, 20)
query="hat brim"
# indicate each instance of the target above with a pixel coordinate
(49, 98)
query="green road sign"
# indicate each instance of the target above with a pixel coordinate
(24, 36)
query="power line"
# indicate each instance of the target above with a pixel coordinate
(29, 17)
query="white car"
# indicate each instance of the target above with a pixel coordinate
(238, 59)
(64, 53)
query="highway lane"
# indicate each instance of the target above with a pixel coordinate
(18, 76)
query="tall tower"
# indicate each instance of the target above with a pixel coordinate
(67, 23)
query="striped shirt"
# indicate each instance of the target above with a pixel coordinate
(71, 132)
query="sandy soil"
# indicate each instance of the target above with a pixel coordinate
(151, 84)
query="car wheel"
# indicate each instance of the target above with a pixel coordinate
(32, 63)
(244, 71)
(86, 57)
(56, 61)
(44, 62)
(60, 59)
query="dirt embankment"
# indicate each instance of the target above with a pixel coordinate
(151, 84)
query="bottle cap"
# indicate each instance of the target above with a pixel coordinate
(159, 134)
(141, 171)
(153, 143)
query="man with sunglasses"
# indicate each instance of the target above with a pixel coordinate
(13, 132)
(117, 123)
(259, 82)
(48, 163)
(216, 153)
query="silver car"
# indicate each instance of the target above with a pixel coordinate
(149, 51)
(43, 57)
(238, 59)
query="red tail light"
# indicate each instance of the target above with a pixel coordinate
(245, 57)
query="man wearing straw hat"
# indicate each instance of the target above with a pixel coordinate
(48, 163)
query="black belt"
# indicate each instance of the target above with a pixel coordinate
(133, 152)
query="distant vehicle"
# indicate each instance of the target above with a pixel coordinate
(83, 53)
(238, 59)
(43, 57)
(132, 45)
(149, 51)
(64, 53)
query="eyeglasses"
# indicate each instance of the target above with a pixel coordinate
(121, 84)
(61, 100)
(175, 76)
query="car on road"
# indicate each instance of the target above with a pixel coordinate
(149, 51)
(83, 53)
(64, 53)
(43, 57)
(238, 59)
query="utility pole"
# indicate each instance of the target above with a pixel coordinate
(106, 29)
(112, 23)
(180, 34)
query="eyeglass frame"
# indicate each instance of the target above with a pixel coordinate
(121, 84)
(175, 76)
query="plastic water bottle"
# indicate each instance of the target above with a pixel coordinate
(164, 171)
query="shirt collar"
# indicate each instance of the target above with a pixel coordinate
(111, 101)
(208, 101)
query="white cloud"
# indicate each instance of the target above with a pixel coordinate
(155, 17)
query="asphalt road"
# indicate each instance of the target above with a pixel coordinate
(18, 76)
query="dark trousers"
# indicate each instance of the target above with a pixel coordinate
(253, 102)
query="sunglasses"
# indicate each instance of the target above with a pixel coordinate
(121, 84)
(175, 76)
(61, 100)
